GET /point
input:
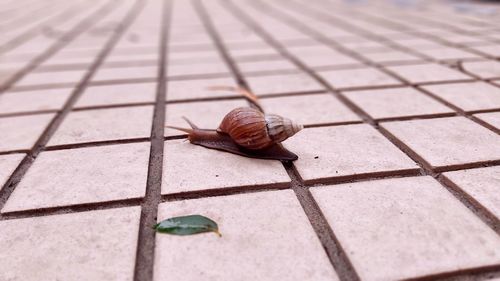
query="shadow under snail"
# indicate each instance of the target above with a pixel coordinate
(247, 131)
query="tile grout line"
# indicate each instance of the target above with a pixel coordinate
(389, 42)
(327, 181)
(44, 138)
(172, 197)
(189, 195)
(20, 22)
(326, 237)
(482, 213)
(188, 77)
(397, 25)
(477, 209)
(425, 169)
(81, 27)
(99, 205)
(481, 273)
(417, 86)
(145, 252)
(25, 36)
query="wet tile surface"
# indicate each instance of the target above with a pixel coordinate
(413, 224)
(422, 73)
(199, 88)
(117, 94)
(284, 83)
(391, 93)
(78, 177)
(256, 228)
(43, 78)
(72, 252)
(447, 141)
(185, 169)
(482, 184)
(468, 96)
(310, 109)
(483, 69)
(33, 101)
(353, 78)
(492, 118)
(104, 124)
(331, 152)
(398, 102)
(8, 164)
(21, 132)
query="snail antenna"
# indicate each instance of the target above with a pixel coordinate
(191, 124)
(185, 130)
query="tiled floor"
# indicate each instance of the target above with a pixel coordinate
(398, 171)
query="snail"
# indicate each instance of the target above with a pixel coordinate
(247, 131)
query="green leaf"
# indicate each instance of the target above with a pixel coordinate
(187, 225)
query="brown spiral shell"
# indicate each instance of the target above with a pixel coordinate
(252, 129)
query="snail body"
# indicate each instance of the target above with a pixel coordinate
(247, 131)
(254, 130)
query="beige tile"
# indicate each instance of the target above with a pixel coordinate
(390, 56)
(56, 77)
(349, 150)
(125, 73)
(260, 241)
(68, 56)
(483, 69)
(492, 118)
(363, 45)
(189, 167)
(316, 56)
(266, 65)
(104, 124)
(22, 132)
(360, 77)
(8, 163)
(5, 75)
(94, 245)
(310, 109)
(422, 73)
(83, 175)
(206, 115)
(197, 68)
(398, 102)
(116, 57)
(414, 225)
(244, 54)
(117, 94)
(481, 184)
(468, 96)
(447, 141)
(17, 102)
(198, 88)
(204, 55)
(447, 53)
(492, 50)
(283, 83)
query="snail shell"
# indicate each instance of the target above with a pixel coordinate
(252, 129)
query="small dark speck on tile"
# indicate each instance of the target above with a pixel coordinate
(216, 176)
(316, 157)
